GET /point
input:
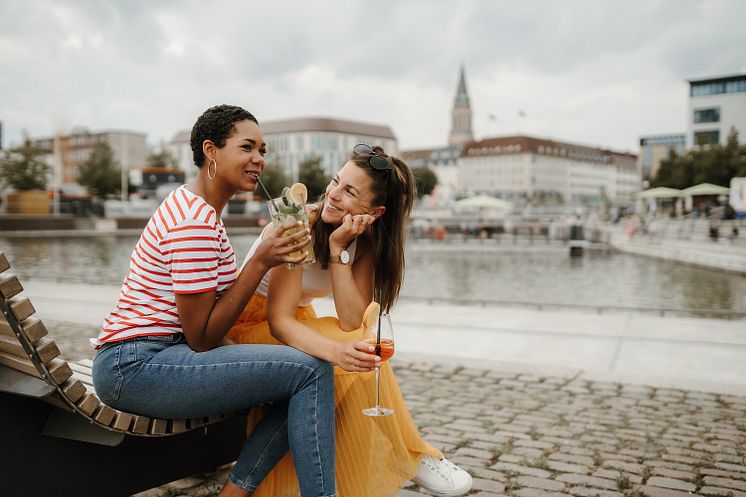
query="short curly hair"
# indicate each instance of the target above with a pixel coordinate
(216, 124)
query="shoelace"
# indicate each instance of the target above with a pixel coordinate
(443, 468)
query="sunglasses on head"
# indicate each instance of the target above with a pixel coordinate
(376, 161)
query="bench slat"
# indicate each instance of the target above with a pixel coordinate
(32, 327)
(4, 264)
(196, 422)
(104, 414)
(86, 362)
(140, 424)
(10, 286)
(177, 425)
(88, 404)
(122, 420)
(158, 426)
(21, 307)
(73, 389)
(46, 348)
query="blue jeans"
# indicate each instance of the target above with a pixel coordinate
(163, 377)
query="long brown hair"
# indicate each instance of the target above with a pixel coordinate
(395, 189)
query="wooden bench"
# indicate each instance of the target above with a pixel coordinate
(59, 439)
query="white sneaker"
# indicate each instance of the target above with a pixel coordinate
(442, 477)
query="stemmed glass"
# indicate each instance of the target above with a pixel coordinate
(380, 334)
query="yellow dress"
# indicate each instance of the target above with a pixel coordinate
(375, 456)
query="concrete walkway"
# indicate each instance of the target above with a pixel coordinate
(681, 352)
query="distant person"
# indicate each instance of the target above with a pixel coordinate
(358, 229)
(161, 353)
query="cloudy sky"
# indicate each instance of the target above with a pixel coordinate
(599, 72)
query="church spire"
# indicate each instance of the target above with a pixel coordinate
(461, 92)
(461, 131)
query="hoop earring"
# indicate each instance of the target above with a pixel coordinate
(212, 161)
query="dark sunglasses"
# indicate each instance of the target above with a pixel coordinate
(378, 162)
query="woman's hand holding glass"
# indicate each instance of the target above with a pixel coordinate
(276, 248)
(356, 357)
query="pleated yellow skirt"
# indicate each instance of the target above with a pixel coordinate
(375, 456)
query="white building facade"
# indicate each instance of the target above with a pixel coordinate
(715, 106)
(520, 168)
(291, 141)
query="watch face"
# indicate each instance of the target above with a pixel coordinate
(344, 257)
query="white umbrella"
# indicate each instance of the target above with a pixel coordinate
(483, 202)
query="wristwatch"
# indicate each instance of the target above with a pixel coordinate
(342, 258)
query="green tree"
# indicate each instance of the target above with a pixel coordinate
(100, 173)
(312, 175)
(24, 168)
(715, 164)
(274, 180)
(162, 158)
(425, 179)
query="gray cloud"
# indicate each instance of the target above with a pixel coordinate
(571, 65)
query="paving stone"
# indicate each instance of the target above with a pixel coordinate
(479, 454)
(593, 492)
(581, 460)
(567, 467)
(589, 481)
(523, 470)
(541, 483)
(489, 474)
(488, 485)
(673, 473)
(625, 466)
(616, 474)
(724, 474)
(659, 481)
(537, 492)
(722, 492)
(660, 491)
(716, 481)
(486, 494)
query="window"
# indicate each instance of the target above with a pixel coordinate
(718, 87)
(711, 115)
(706, 137)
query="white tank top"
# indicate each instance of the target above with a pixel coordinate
(317, 282)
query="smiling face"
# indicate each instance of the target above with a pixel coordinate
(349, 193)
(241, 158)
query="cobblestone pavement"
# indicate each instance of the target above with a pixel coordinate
(548, 436)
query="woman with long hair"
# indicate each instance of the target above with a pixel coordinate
(358, 231)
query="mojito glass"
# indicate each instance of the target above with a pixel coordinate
(292, 206)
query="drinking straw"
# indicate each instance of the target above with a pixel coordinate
(378, 334)
(271, 200)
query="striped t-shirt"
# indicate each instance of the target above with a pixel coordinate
(183, 249)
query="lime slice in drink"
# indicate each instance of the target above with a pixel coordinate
(298, 193)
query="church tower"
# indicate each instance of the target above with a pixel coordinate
(461, 131)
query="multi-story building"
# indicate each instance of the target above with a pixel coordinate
(520, 168)
(291, 141)
(443, 162)
(655, 148)
(70, 150)
(715, 106)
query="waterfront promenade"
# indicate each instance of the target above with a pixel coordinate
(538, 403)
